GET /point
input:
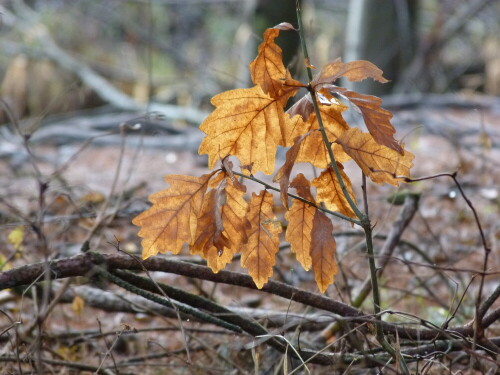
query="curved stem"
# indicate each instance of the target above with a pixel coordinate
(326, 142)
(364, 219)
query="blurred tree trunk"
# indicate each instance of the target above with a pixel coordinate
(384, 33)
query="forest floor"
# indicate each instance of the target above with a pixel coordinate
(96, 178)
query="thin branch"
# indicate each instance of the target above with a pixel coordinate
(489, 301)
(152, 297)
(479, 329)
(271, 187)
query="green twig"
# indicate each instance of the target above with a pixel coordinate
(327, 143)
(363, 217)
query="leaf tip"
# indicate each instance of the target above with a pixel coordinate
(284, 26)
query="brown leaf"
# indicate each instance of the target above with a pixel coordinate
(302, 107)
(330, 193)
(377, 119)
(354, 71)
(303, 187)
(217, 260)
(300, 222)
(248, 124)
(171, 221)
(380, 163)
(258, 255)
(228, 168)
(323, 251)
(283, 174)
(313, 149)
(222, 225)
(234, 216)
(267, 69)
(217, 179)
(209, 230)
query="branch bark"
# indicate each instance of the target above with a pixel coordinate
(83, 265)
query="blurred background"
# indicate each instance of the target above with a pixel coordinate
(100, 99)
(62, 56)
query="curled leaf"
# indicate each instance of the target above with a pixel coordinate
(267, 69)
(209, 229)
(285, 26)
(313, 149)
(308, 64)
(228, 168)
(222, 225)
(303, 187)
(283, 174)
(302, 107)
(377, 119)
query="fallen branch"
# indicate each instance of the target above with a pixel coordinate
(82, 265)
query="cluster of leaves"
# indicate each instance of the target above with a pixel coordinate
(210, 213)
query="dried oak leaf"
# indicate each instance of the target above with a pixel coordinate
(310, 236)
(267, 69)
(323, 248)
(376, 118)
(222, 225)
(209, 229)
(380, 163)
(302, 107)
(171, 220)
(354, 71)
(283, 174)
(258, 255)
(329, 191)
(313, 149)
(248, 124)
(303, 188)
(300, 222)
(227, 166)
(307, 63)
(234, 215)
